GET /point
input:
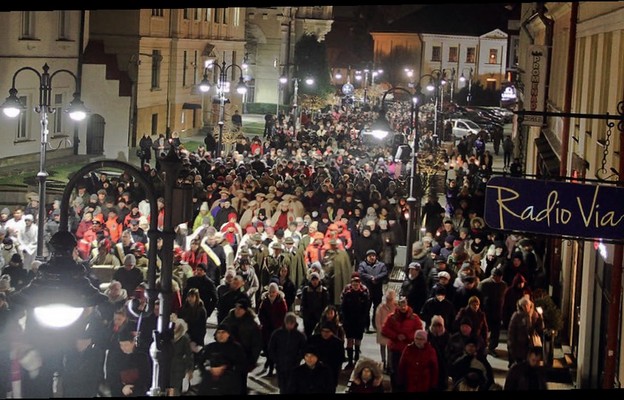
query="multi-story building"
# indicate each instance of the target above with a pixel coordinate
(570, 66)
(30, 40)
(271, 34)
(165, 53)
(430, 42)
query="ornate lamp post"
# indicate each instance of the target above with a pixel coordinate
(12, 107)
(414, 199)
(463, 79)
(222, 88)
(309, 81)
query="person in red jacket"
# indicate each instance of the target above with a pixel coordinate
(399, 328)
(418, 366)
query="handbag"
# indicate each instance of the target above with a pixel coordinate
(535, 340)
(140, 153)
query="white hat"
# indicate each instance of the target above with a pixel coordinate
(444, 274)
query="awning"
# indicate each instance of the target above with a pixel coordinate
(549, 163)
(191, 106)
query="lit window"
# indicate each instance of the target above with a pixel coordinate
(493, 56)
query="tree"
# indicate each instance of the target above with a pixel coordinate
(311, 60)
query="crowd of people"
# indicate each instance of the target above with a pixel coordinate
(296, 225)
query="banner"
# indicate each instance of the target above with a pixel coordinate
(555, 208)
(535, 84)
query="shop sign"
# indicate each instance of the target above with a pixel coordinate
(555, 208)
(535, 84)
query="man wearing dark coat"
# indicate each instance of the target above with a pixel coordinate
(527, 374)
(365, 242)
(224, 350)
(286, 347)
(246, 331)
(493, 289)
(228, 295)
(373, 274)
(438, 304)
(314, 299)
(205, 286)
(311, 377)
(414, 287)
(330, 350)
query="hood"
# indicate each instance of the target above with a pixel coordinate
(368, 363)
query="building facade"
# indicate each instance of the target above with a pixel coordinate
(271, 35)
(580, 139)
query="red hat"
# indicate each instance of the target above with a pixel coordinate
(232, 215)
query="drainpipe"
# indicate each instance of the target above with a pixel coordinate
(76, 141)
(555, 272)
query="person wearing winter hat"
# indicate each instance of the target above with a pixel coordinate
(418, 366)
(286, 348)
(129, 275)
(312, 376)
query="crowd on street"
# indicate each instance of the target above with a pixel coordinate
(296, 223)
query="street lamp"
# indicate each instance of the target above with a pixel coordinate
(309, 81)
(382, 126)
(364, 74)
(222, 88)
(12, 107)
(462, 79)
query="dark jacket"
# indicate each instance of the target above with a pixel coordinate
(207, 291)
(477, 319)
(416, 291)
(246, 331)
(330, 352)
(227, 299)
(521, 376)
(306, 380)
(234, 356)
(286, 348)
(493, 298)
(313, 302)
(354, 306)
(443, 308)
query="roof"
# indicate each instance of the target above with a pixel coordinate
(452, 19)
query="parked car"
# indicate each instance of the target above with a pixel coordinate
(463, 127)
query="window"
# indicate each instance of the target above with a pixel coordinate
(57, 124)
(207, 15)
(21, 122)
(154, 130)
(28, 25)
(185, 13)
(493, 58)
(217, 11)
(225, 15)
(453, 54)
(158, 12)
(436, 53)
(184, 68)
(197, 15)
(156, 59)
(470, 55)
(63, 25)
